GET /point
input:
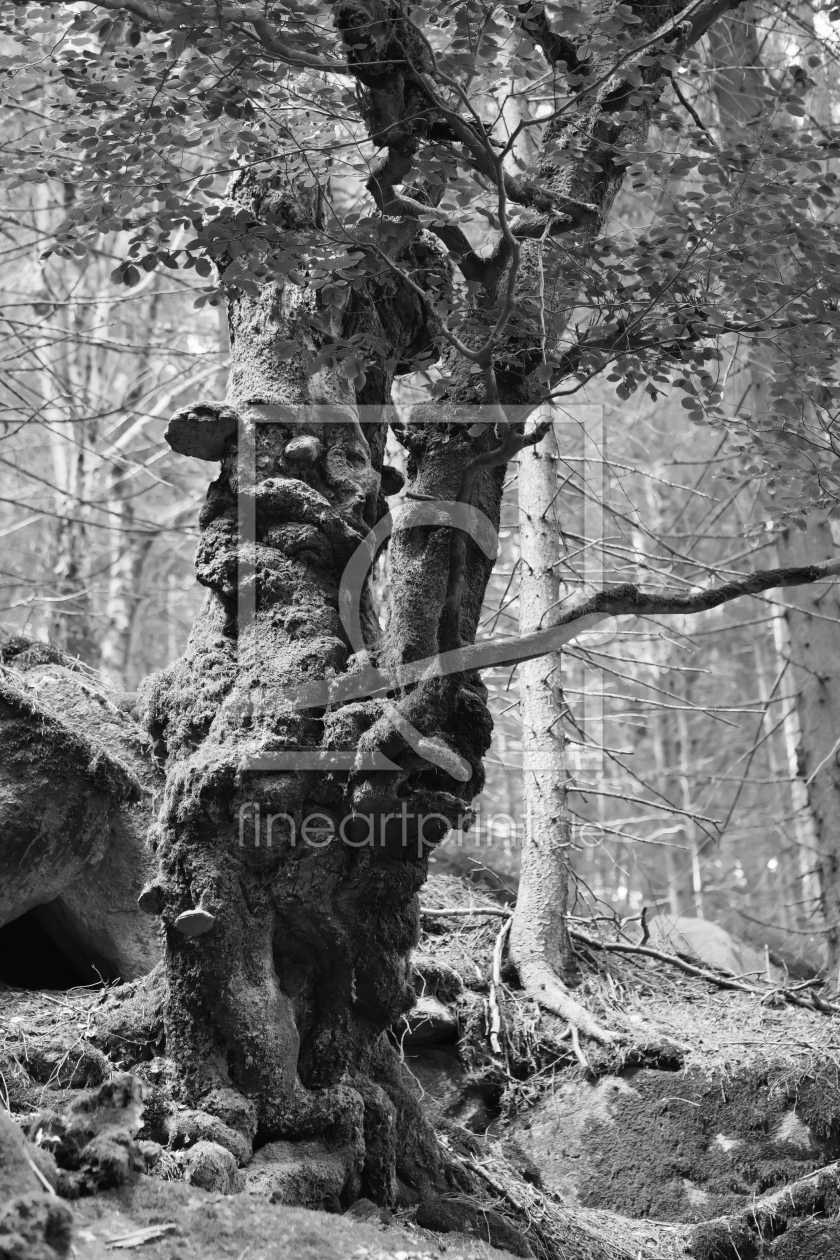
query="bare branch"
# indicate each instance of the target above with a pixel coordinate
(617, 601)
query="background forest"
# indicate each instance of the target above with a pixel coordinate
(568, 269)
(684, 733)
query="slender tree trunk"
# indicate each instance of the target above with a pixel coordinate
(680, 885)
(813, 620)
(539, 942)
(804, 830)
(777, 766)
(70, 625)
(694, 872)
(129, 549)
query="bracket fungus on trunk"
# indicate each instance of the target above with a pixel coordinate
(202, 430)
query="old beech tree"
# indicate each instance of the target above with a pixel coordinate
(373, 188)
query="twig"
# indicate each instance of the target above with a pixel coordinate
(495, 1012)
(825, 759)
(686, 104)
(576, 1046)
(37, 1171)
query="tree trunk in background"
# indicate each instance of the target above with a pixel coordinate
(807, 897)
(670, 738)
(679, 870)
(69, 623)
(539, 939)
(741, 91)
(691, 861)
(128, 553)
(777, 762)
(813, 621)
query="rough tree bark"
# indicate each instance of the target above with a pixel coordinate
(276, 1013)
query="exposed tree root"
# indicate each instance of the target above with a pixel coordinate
(741, 1236)
(542, 983)
(539, 979)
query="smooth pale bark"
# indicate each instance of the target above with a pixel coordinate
(681, 898)
(691, 870)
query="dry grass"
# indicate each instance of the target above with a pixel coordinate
(45, 1042)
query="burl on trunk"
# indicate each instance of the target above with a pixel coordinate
(287, 885)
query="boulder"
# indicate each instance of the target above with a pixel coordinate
(442, 1085)
(35, 1227)
(22, 1170)
(188, 1127)
(428, 1023)
(93, 1138)
(211, 1167)
(77, 779)
(711, 944)
(34, 1224)
(680, 1147)
(301, 1174)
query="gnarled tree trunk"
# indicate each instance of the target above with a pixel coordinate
(302, 877)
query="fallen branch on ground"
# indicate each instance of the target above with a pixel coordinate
(724, 979)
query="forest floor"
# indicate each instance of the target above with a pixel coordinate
(245, 1227)
(676, 1142)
